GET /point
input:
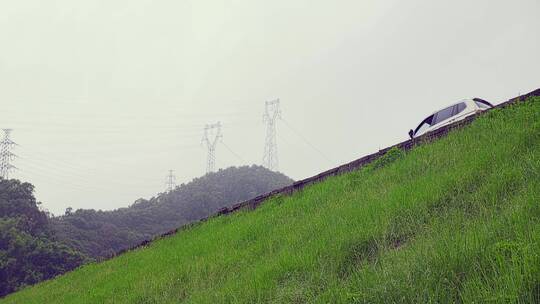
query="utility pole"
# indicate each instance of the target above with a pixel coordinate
(212, 134)
(271, 113)
(6, 156)
(171, 181)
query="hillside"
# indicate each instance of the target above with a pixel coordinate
(101, 234)
(456, 220)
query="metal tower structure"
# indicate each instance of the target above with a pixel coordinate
(6, 156)
(212, 135)
(271, 113)
(171, 181)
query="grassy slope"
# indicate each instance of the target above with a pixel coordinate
(456, 220)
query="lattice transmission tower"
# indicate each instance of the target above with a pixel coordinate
(170, 181)
(272, 112)
(212, 135)
(6, 156)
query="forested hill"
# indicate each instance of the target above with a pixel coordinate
(103, 233)
(29, 252)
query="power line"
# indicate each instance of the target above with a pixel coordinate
(212, 134)
(45, 174)
(307, 141)
(232, 152)
(48, 172)
(271, 113)
(6, 156)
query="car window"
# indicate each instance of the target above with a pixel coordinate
(459, 108)
(443, 115)
(481, 105)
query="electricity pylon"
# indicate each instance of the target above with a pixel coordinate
(171, 181)
(6, 156)
(271, 113)
(212, 135)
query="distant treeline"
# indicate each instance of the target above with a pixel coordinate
(103, 233)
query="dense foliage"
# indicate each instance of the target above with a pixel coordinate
(103, 233)
(454, 221)
(29, 252)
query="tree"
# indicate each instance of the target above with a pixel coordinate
(29, 252)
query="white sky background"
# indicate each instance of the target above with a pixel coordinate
(106, 96)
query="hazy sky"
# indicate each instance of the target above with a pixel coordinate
(106, 96)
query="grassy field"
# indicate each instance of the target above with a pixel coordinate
(457, 220)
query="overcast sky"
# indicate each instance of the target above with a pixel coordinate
(106, 96)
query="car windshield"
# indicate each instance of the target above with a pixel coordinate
(426, 123)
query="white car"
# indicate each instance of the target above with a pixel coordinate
(455, 112)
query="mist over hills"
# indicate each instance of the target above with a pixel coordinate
(101, 234)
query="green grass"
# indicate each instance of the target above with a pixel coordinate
(457, 220)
